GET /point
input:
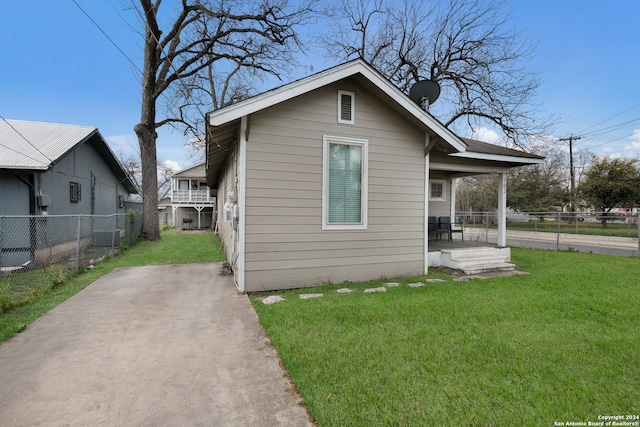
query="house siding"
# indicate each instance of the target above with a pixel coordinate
(78, 166)
(225, 188)
(285, 245)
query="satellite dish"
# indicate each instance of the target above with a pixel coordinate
(424, 93)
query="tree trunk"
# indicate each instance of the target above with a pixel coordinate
(146, 132)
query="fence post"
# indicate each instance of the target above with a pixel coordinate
(113, 232)
(558, 234)
(637, 221)
(486, 229)
(78, 242)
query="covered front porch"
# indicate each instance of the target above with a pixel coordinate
(444, 169)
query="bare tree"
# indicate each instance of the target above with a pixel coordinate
(204, 35)
(466, 46)
(132, 165)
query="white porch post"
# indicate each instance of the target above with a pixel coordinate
(426, 206)
(502, 210)
(453, 184)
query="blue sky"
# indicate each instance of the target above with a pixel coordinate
(58, 67)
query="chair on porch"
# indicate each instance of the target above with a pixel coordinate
(437, 228)
(451, 227)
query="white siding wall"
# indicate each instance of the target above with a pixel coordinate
(285, 244)
(226, 185)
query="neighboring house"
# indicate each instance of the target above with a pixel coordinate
(332, 178)
(55, 169)
(191, 202)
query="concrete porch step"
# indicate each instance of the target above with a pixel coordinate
(488, 267)
(476, 260)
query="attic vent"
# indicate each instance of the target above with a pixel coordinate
(346, 102)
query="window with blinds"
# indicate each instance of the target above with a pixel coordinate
(344, 183)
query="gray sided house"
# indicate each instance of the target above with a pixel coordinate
(54, 169)
(191, 202)
(333, 177)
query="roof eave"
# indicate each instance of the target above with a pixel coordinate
(499, 158)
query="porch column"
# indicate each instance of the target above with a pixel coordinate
(453, 184)
(502, 210)
(426, 210)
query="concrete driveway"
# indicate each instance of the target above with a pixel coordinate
(148, 346)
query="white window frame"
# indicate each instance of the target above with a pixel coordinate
(352, 96)
(362, 225)
(444, 190)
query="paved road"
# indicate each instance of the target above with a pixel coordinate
(148, 346)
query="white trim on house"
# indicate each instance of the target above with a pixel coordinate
(326, 140)
(242, 206)
(340, 72)
(453, 167)
(426, 208)
(496, 157)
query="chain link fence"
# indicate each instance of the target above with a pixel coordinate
(36, 252)
(613, 233)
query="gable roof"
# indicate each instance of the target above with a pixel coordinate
(37, 146)
(196, 171)
(222, 124)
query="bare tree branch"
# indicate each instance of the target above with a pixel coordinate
(467, 46)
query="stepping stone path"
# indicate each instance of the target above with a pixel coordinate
(271, 299)
(277, 298)
(308, 296)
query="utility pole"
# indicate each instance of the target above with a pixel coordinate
(572, 206)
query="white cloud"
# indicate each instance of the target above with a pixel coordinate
(486, 135)
(635, 141)
(170, 164)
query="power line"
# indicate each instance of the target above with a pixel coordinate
(107, 36)
(612, 128)
(609, 118)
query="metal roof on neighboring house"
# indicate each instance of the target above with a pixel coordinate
(37, 146)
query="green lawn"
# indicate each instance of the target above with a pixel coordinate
(560, 344)
(24, 297)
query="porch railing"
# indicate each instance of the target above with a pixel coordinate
(191, 196)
